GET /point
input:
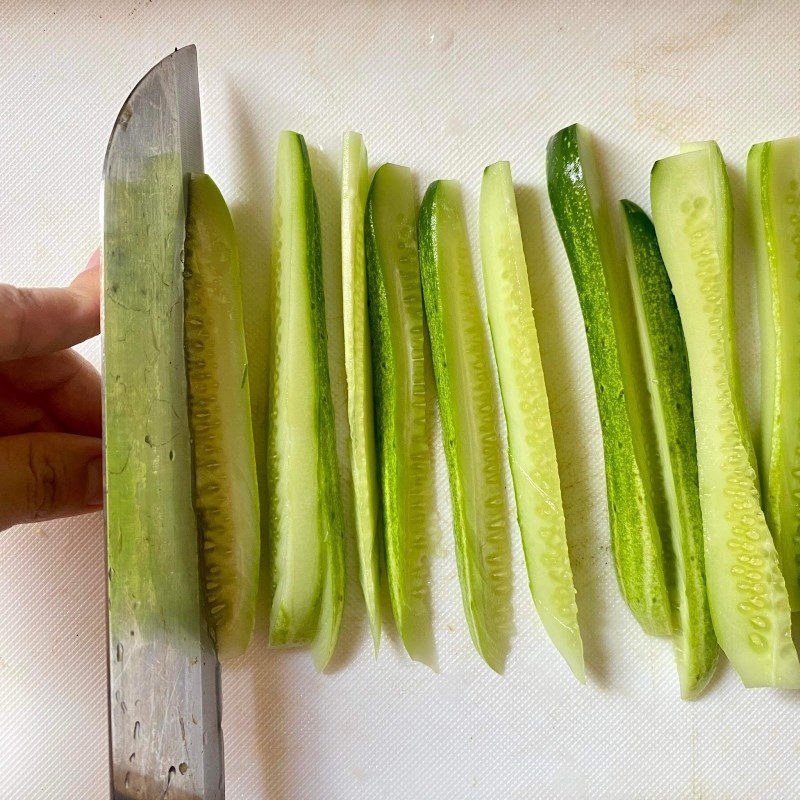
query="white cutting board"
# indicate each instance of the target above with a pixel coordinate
(446, 88)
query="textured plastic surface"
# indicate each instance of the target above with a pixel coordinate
(446, 88)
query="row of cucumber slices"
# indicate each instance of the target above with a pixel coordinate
(693, 550)
(694, 553)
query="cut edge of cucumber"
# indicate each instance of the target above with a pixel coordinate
(218, 381)
(531, 446)
(483, 575)
(696, 657)
(773, 182)
(399, 369)
(358, 368)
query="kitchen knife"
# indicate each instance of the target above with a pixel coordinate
(164, 703)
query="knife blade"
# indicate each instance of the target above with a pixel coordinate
(164, 702)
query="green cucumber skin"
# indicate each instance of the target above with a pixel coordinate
(635, 539)
(696, 644)
(324, 626)
(225, 483)
(479, 519)
(692, 213)
(358, 367)
(773, 177)
(398, 352)
(331, 517)
(531, 446)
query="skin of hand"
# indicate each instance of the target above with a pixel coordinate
(50, 401)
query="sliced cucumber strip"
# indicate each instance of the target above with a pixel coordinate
(225, 485)
(464, 384)
(531, 448)
(773, 177)
(667, 375)
(398, 351)
(307, 556)
(358, 368)
(692, 211)
(604, 292)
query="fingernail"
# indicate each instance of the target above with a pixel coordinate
(92, 265)
(94, 482)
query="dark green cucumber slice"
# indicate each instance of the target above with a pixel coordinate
(305, 504)
(465, 387)
(225, 484)
(773, 178)
(531, 448)
(398, 351)
(667, 375)
(604, 292)
(692, 212)
(358, 368)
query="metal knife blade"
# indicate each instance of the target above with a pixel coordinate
(164, 707)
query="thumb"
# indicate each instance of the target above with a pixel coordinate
(48, 475)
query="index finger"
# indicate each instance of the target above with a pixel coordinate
(38, 321)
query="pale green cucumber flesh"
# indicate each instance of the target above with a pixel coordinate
(467, 404)
(773, 177)
(305, 505)
(225, 483)
(531, 447)
(604, 292)
(398, 349)
(692, 213)
(758, 183)
(667, 375)
(358, 368)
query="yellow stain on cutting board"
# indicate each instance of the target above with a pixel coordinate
(680, 112)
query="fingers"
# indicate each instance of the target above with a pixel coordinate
(21, 413)
(64, 385)
(48, 475)
(37, 321)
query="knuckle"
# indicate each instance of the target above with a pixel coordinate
(13, 302)
(44, 480)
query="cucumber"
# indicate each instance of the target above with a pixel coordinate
(464, 384)
(398, 352)
(692, 211)
(773, 177)
(225, 483)
(305, 510)
(531, 448)
(604, 292)
(358, 368)
(667, 375)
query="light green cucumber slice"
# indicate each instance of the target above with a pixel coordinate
(667, 374)
(773, 178)
(464, 384)
(531, 448)
(692, 212)
(307, 558)
(225, 483)
(604, 292)
(358, 368)
(398, 352)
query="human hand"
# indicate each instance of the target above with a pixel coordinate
(50, 406)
